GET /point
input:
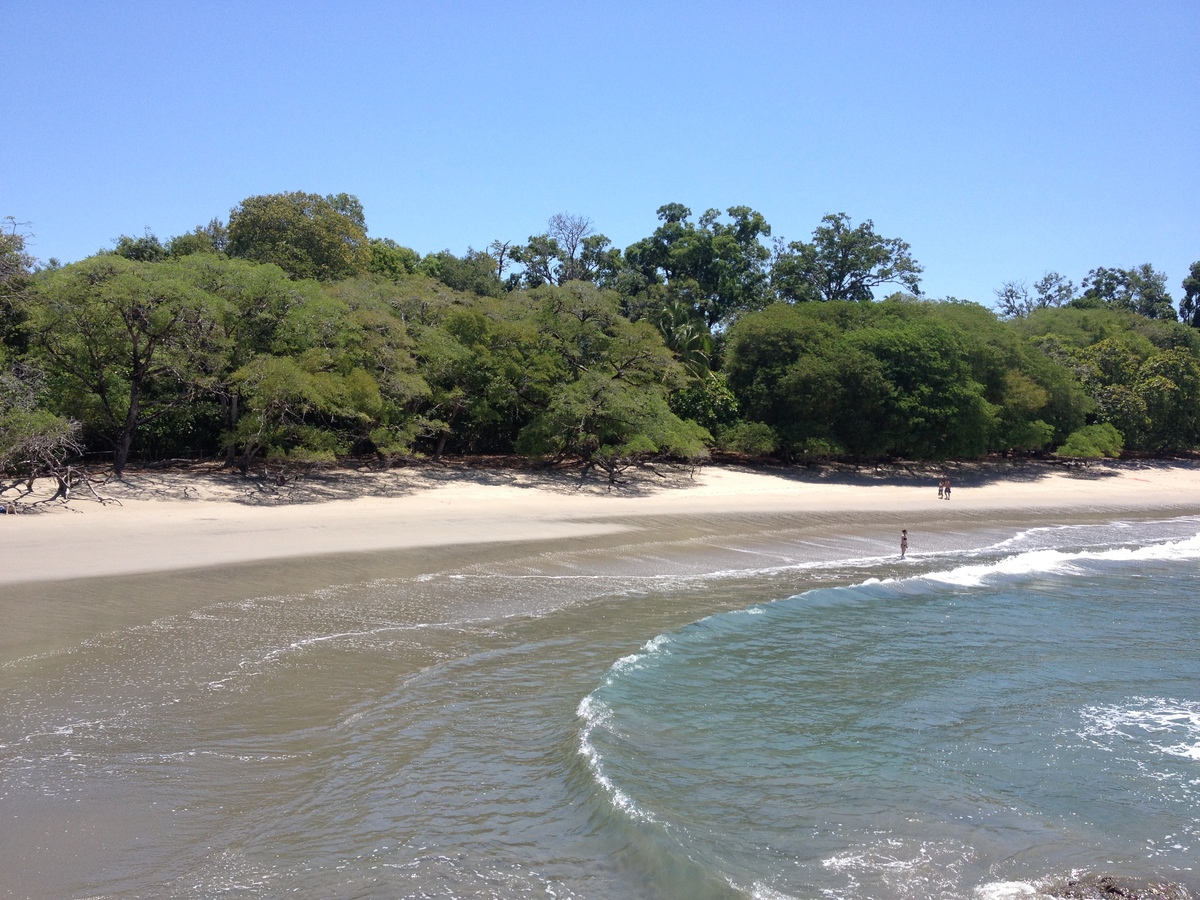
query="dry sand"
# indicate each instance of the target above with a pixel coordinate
(184, 520)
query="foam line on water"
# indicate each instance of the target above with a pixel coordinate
(597, 714)
(1169, 725)
(635, 660)
(1035, 562)
(1010, 890)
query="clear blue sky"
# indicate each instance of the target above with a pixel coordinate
(1000, 140)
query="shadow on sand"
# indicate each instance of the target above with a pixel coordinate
(319, 484)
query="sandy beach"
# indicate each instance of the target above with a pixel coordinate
(168, 542)
(202, 661)
(159, 522)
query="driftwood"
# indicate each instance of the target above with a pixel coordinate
(65, 481)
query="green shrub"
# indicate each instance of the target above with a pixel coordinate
(752, 438)
(1093, 442)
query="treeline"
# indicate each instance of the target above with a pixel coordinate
(287, 334)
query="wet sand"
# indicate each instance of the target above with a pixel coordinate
(175, 542)
(185, 521)
(76, 583)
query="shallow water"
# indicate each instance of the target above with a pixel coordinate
(764, 709)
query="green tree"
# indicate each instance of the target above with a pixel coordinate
(1168, 385)
(1109, 369)
(306, 235)
(390, 260)
(282, 395)
(376, 341)
(687, 337)
(608, 407)
(212, 238)
(1013, 299)
(719, 268)
(540, 257)
(1092, 442)
(1189, 306)
(1139, 372)
(1053, 290)
(872, 380)
(33, 440)
(1037, 398)
(15, 262)
(16, 267)
(335, 375)
(1141, 290)
(473, 273)
(1020, 424)
(843, 263)
(708, 402)
(146, 248)
(932, 407)
(349, 206)
(569, 250)
(127, 342)
(489, 368)
(763, 348)
(255, 300)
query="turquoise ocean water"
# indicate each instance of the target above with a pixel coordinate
(745, 714)
(977, 729)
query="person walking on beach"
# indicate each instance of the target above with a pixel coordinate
(903, 542)
(947, 495)
(941, 487)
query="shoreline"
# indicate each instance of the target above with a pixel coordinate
(172, 521)
(177, 543)
(148, 665)
(45, 615)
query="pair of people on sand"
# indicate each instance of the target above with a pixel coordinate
(944, 489)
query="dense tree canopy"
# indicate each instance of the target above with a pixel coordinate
(918, 379)
(287, 335)
(717, 268)
(1189, 306)
(306, 235)
(844, 263)
(16, 267)
(1013, 298)
(1141, 290)
(126, 342)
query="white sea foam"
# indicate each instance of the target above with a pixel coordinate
(635, 661)
(868, 861)
(597, 714)
(760, 891)
(1009, 890)
(1047, 562)
(1044, 537)
(1170, 726)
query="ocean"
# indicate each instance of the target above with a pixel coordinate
(763, 708)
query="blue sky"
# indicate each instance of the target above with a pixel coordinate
(1001, 140)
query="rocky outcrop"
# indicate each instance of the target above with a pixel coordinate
(1114, 887)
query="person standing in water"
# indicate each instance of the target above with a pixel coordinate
(903, 542)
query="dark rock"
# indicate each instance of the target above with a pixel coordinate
(1115, 887)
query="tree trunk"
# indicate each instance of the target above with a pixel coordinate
(121, 457)
(231, 420)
